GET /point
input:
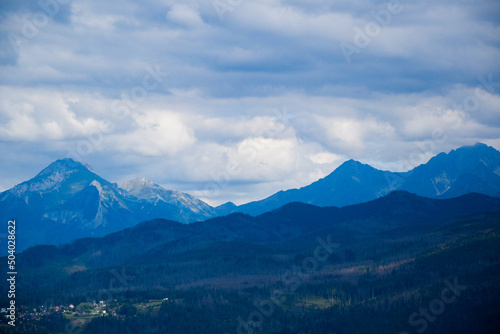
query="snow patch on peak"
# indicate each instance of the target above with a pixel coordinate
(50, 183)
(62, 165)
(441, 183)
(140, 182)
(98, 185)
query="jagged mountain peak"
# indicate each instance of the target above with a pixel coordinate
(227, 204)
(351, 167)
(64, 175)
(69, 196)
(485, 153)
(474, 168)
(478, 150)
(479, 144)
(466, 158)
(145, 189)
(351, 163)
(62, 166)
(226, 208)
(140, 182)
(343, 176)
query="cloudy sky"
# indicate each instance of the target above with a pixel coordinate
(237, 99)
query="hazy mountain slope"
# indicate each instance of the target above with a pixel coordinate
(351, 183)
(67, 201)
(164, 203)
(468, 169)
(399, 213)
(64, 201)
(388, 266)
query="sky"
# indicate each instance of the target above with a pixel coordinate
(234, 100)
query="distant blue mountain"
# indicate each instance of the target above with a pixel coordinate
(397, 215)
(67, 200)
(467, 169)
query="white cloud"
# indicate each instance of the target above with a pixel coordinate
(184, 15)
(270, 76)
(353, 133)
(33, 115)
(324, 158)
(158, 133)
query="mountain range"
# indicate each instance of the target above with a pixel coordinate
(383, 259)
(398, 216)
(67, 200)
(467, 169)
(372, 267)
